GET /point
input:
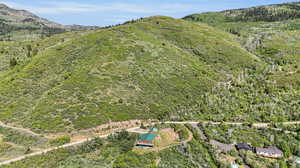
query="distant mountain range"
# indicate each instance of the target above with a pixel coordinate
(27, 25)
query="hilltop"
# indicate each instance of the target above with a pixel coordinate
(157, 67)
(23, 25)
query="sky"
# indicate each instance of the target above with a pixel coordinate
(110, 12)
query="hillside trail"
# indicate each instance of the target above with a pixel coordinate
(24, 130)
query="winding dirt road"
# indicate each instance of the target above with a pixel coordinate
(52, 149)
(258, 125)
(19, 129)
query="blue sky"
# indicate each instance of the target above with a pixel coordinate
(109, 12)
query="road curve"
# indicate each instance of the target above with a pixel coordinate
(19, 129)
(54, 148)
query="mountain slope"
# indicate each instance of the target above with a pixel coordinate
(269, 32)
(157, 67)
(21, 24)
(269, 13)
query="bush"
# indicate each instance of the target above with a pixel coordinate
(134, 160)
(60, 141)
(181, 131)
(13, 62)
(123, 140)
(90, 146)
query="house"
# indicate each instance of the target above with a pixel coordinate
(146, 140)
(244, 146)
(222, 147)
(271, 152)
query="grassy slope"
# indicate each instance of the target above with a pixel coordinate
(156, 67)
(275, 42)
(272, 34)
(268, 13)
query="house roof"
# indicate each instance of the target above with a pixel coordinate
(270, 150)
(147, 137)
(244, 146)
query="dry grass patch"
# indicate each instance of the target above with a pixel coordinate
(166, 137)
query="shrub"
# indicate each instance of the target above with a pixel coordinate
(90, 146)
(60, 141)
(13, 62)
(123, 140)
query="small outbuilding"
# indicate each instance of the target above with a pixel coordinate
(297, 160)
(271, 152)
(244, 146)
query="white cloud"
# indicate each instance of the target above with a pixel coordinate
(58, 7)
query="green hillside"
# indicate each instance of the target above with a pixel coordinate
(269, 13)
(275, 40)
(269, 32)
(233, 66)
(157, 67)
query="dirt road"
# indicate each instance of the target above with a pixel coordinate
(19, 129)
(132, 129)
(52, 149)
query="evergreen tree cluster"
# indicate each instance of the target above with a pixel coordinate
(268, 14)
